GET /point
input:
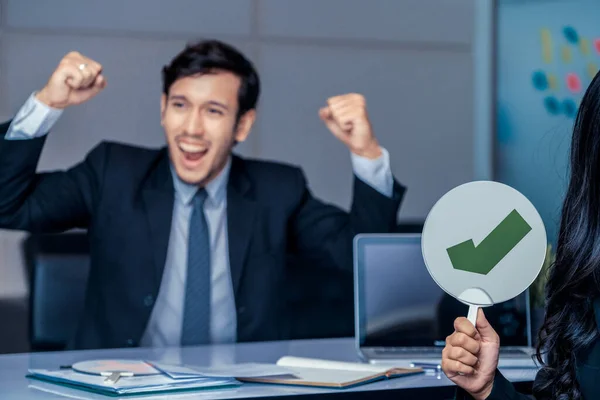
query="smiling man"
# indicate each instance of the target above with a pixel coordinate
(189, 242)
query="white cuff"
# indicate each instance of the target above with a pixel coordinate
(34, 119)
(377, 173)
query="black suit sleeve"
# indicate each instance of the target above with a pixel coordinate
(502, 390)
(45, 202)
(326, 232)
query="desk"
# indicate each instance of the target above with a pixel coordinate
(14, 385)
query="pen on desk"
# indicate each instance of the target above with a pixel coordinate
(437, 367)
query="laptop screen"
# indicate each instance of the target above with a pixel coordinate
(399, 304)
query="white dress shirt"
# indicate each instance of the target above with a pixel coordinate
(35, 119)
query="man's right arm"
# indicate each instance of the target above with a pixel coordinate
(53, 201)
(34, 119)
(45, 202)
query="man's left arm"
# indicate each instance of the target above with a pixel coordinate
(377, 172)
(326, 232)
(376, 196)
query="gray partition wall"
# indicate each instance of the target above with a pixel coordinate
(412, 59)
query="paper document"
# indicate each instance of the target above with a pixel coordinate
(128, 385)
(245, 370)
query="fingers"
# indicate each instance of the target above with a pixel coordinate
(461, 355)
(325, 113)
(80, 72)
(100, 82)
(344, 119)
(347, 103)
(354, 100)
(461, 340)
(463, 325)
(344, 110)
(75, 58)
(71, 75)
(87, 73)
(455, 367)
(97, 86)
(484, 328)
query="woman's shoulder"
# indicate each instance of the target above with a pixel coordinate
(597, 311)
(588, 363)
(590, 355)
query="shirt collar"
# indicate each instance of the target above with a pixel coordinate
(215, 189)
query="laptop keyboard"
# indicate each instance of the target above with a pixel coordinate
(409, 350)
(419, 351)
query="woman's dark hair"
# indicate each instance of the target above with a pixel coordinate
(569, 325)
(208, 56)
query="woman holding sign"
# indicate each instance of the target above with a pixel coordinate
(570, 336)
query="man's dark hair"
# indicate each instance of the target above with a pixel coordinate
(208, 56)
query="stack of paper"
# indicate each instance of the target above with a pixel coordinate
(130, 385)
(165, 377)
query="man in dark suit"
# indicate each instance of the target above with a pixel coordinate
(188, 243)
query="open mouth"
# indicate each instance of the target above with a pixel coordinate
(192, 153)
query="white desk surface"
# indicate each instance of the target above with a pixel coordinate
(14, 385)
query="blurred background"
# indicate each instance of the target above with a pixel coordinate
(457, 90)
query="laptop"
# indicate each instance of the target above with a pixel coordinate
(402, 316)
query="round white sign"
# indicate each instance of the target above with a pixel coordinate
(484, 243)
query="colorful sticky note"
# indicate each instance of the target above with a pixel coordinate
(592, 70)
(597, 45)
(552, 105)
(571, 34)
(566, 54)
(552, 81)
(569, 108)
(540, 82)
(584, 45)
(573, 83)
(546, 37)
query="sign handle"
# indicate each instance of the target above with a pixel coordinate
(472, 316)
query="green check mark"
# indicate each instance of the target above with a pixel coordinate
(483, 258)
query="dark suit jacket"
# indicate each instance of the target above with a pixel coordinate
(124, 196)
(587, 371)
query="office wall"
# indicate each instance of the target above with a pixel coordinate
(411, 59)
(540, 45)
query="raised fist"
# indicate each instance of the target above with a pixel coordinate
(76, 80)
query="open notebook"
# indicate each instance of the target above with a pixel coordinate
(335, 374)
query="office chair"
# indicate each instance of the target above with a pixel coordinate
(415, 226)
(320, 300)
(58, 267)
(13, 335)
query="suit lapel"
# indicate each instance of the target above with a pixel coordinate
(158, 197)
(241, 213)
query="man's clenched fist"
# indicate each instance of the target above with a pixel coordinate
(76, 80)
(346, 117)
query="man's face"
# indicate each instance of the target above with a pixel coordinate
(199, 118)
